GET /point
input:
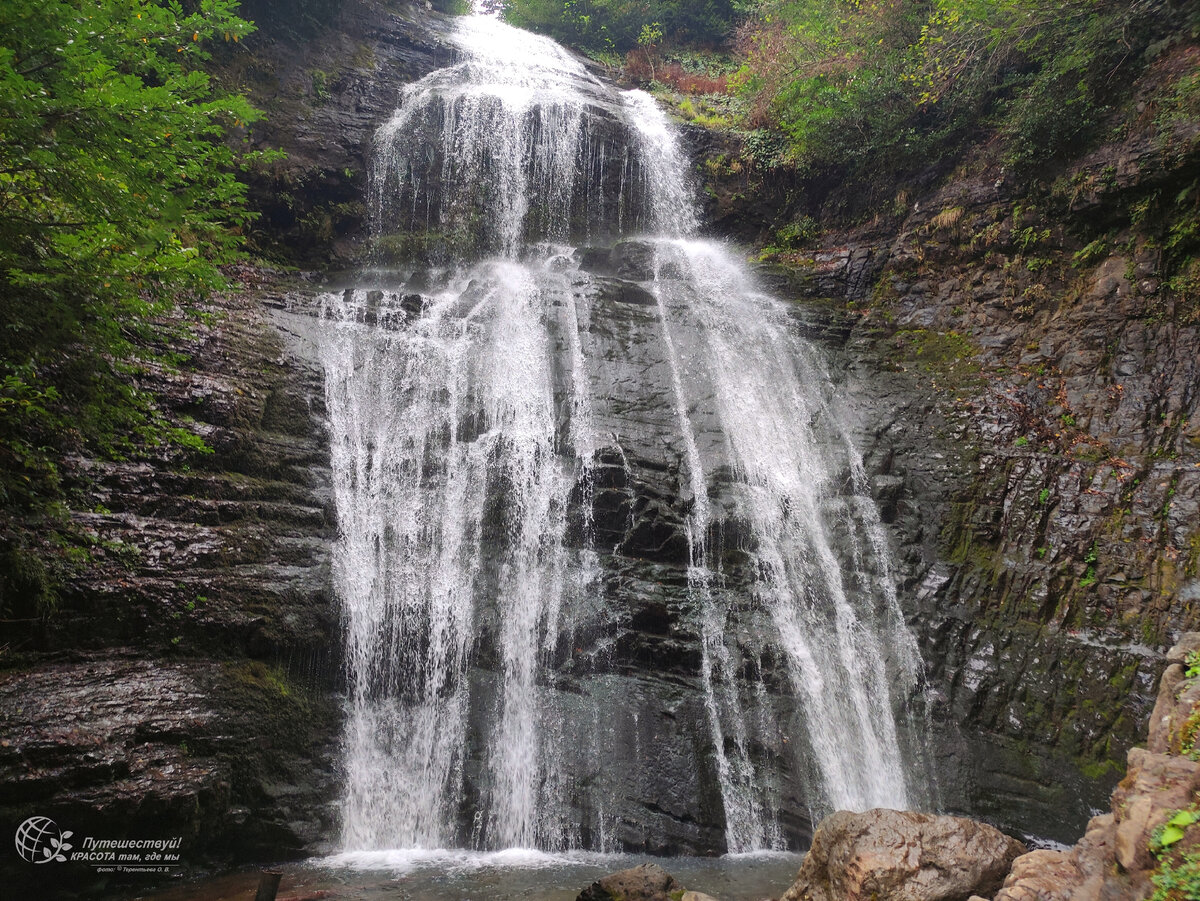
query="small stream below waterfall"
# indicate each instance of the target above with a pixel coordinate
(611, 575)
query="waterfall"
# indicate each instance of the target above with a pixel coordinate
(557, 414)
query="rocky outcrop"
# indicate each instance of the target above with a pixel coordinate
(1028, 394)
(902, 856)
(1122, 850)
(324, 94)
(645, 882)
(893, 855)
(183, 686)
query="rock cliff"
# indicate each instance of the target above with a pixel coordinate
(1025, 373)
(182, 687)
(185, 684)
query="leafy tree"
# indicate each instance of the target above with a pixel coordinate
(118, 201)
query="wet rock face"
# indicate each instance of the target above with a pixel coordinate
(1114, 859)
(573, 153)
(183, 684)
(221, 756)
(902, 856)
(324, 97)
(635, 644)
(124, 748)
(1028, 416)
(224, 553)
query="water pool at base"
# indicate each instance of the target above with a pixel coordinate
(499, 876)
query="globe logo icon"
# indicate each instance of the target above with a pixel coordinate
(39, 840)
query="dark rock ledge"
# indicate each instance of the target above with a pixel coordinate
(185, 686)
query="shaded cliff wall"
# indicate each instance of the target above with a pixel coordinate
(1027, 379)
(325, 87)
(182, 685)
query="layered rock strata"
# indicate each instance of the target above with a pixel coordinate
(1122, 850)
(183, 685)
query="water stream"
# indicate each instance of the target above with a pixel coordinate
(609, 566)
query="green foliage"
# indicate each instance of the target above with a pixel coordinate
(622, 25)
(118, 194)
(1171, 221)
(804, 232)
(801, 233)
(1089, 575)
(1193, 665)
(1178, 877)
(1178, 881)
(118, 202)
(938, 353)
(1091, 254)
(1174, 829)
(881, 87)
(707, 112)
(830, 75)
(320, 85)
(650, 35)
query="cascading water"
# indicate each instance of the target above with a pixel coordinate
(557, 461)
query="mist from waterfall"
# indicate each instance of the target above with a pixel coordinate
(484, 430)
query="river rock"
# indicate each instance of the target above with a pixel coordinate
(646, 882)
(1188, 644)
(902, 856)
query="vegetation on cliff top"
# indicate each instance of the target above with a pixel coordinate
(880, 88)
(623, 25)
(895, 86)
(118, 202)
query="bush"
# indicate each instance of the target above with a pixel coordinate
(618, 25)
(894, 88)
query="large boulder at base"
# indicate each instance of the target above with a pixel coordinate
(893, 855)
(647, 882)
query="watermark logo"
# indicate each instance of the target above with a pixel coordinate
(39, 840)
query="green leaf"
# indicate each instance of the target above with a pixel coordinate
(1170, 835)
(1184, 818)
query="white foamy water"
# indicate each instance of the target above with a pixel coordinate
(472, 423)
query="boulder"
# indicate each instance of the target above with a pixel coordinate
(892, 855)
(1154, 786)
(647, 882)
(1042, 875)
